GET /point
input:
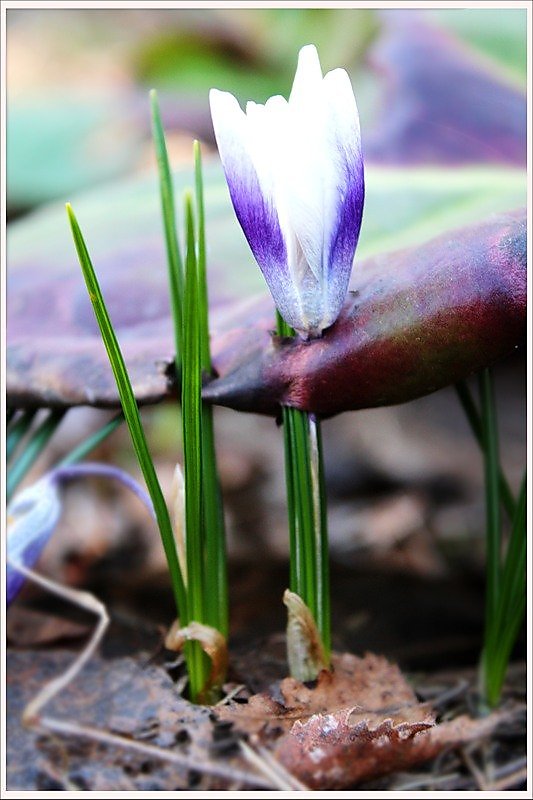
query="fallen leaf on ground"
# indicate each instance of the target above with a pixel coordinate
(360, 721)
(370, 683)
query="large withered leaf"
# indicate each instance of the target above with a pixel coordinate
(370, 686)
(337, 751)
(416, 321)
(420, 318)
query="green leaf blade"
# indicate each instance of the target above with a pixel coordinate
(174, 261)
(131, 412)
(33, 450)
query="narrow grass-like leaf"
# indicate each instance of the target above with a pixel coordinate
(203, 309)
(32, 450)
(84, 448)
(207, 589)
(504, 628)
(191, 409)
(174, 261)
(492, 494)
(191, 417)
(505, 584)
(513, 576)
(10, 415)
(306, 506)
(131, 413)
(216, 606)
(474, 418)
(216, 600)
(18, 431)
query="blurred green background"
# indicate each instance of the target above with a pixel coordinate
(78, 79)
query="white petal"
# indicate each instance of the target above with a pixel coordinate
(343, 116)
(325, 154)
(229, 123)
(247, 145)
(342, 141)
(265, 141)
(308, 77)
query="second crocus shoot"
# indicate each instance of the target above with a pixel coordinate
(294, 169)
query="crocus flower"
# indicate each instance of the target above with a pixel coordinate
(33, 514)
(295, 175)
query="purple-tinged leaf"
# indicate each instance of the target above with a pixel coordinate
(444, 104)
(55, 356)
(416, 321)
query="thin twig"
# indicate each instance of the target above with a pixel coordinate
(509, 780)
(443, 698)
(229, 697)
(506, 770)
(89, 603)
(479, 778)
(271, 768)
(96, 735)
(424, 780)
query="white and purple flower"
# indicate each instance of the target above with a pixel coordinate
(33, 514)
(295, 175)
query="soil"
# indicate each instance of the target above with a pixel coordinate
(132, 689)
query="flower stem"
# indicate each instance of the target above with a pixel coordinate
(307, 512)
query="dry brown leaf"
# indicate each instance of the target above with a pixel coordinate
(305, 650)
(366, 685)
(212, 643)
(330, 752)
(359, 722)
